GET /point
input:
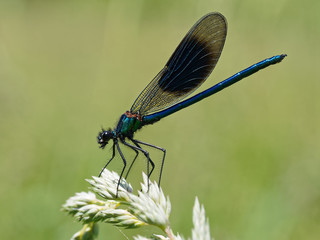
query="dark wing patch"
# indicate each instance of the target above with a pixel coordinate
(188, 67)
(190, 71)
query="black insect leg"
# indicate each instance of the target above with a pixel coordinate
(124, 165)
(137, 147)
(156, 147)
(137, 153)
(113, 154)
(149, 159)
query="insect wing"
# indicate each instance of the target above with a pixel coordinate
(188, 67)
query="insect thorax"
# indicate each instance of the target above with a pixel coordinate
(128, 124)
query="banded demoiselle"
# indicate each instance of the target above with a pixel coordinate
(188, 67)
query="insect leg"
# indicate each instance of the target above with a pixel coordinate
(156, 147)
(146, 153)
(137, 153)
(148, 158)
(113, 154)
(124, 165)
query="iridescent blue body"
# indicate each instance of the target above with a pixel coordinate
(214, 89)
(188, 67)
(128, 124)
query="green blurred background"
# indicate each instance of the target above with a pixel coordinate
(250, 153)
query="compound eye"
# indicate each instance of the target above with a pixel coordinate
(107, 135)
(104, 137)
